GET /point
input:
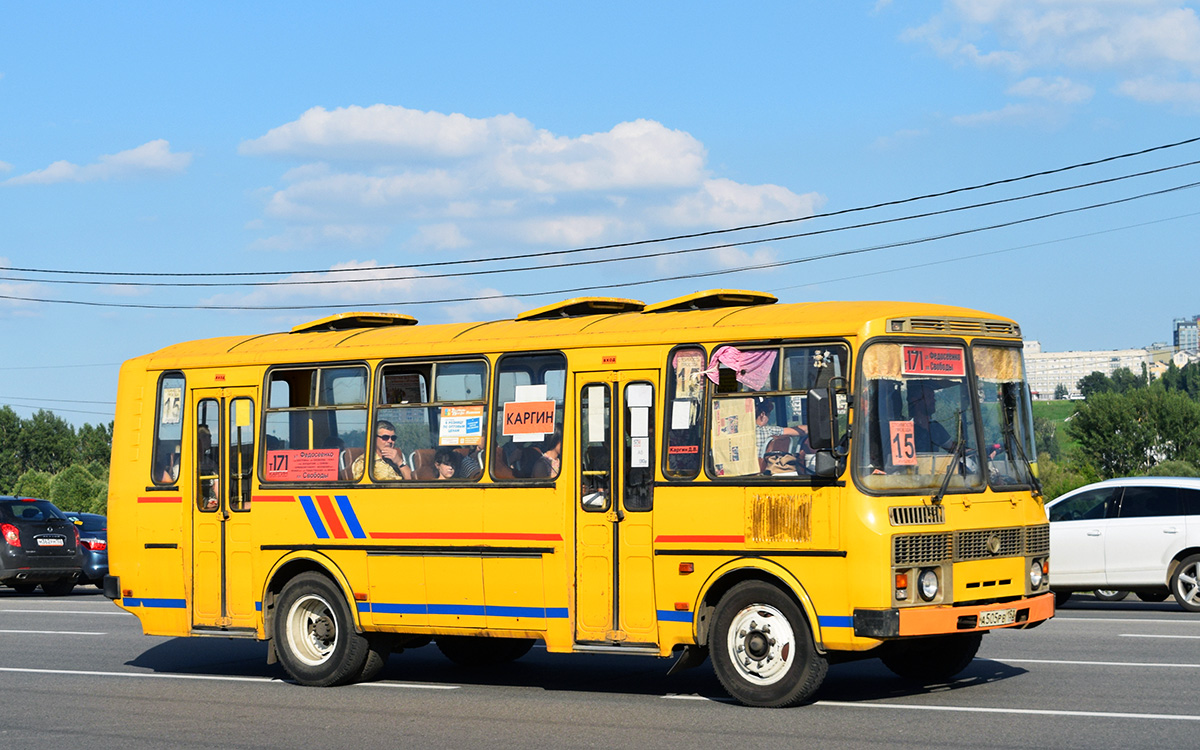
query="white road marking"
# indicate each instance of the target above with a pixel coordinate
(63, 612)
(1092, 663)
(1018, 711)
(206, 677)
(1147, 635)
(50, 632)
(1138, 620)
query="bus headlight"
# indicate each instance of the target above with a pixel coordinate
(1035, 575)
(928, 584)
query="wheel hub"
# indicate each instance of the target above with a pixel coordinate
(760, 644)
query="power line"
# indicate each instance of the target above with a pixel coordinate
(636, 243)
(644, 282)
(598, 261)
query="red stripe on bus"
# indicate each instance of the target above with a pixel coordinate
(273, 499)
(331, 517)
(465, 536)
(160, 499)
(714, 538)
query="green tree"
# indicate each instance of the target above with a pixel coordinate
(1059, 478)
(74, 488)
(10, 452)
(1097, 382)
(1124, 381)
(1045, 437)
(1061, 392)
(95, 443)
(33, 483)
(1173, 469)
(1126, 434)
(47, 443)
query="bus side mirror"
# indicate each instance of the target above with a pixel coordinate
(822, 419)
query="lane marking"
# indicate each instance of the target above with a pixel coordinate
(63, 612)
(1018, 711)
(50, 632)
(1093, 663)
(1147, 635)
(207, 677)
(1182, 621)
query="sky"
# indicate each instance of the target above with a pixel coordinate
(173, 171)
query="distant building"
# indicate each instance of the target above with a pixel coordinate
(1187, 334)
(1048, 370)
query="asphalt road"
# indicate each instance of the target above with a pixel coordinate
(77, 671)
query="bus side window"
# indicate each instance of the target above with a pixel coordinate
(168, 430)
(530, 396)
(241, 452)
(208, 455)
(685, 412)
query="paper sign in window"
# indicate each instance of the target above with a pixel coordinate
(639, 452)
(528, 417)
(681, 415)
(171, 412)
(460, 425)
(595, 404)
(904, 450)
(639, 394)
(318, 465)
(639, 421)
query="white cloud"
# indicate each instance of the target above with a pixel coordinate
(339, 235)
(1156, 90)
(1012, 113)
(723, 202)
(489, 304)
(149, 159)
(5, 167)
(1116, 42)
(1058, 89)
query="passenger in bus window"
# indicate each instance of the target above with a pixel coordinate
(168, 468)
(208, 467)
(469, 466)
(764, 430)
(551, 459)
(929, 435)
(447, 462)
(388, 464)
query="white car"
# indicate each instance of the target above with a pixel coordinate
(1139, 534)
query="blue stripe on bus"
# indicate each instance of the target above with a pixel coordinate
(155, 603)
(314, 518)
(391, 608)
(836, 621)
(670, 615)
(258, 606)
(356, 529)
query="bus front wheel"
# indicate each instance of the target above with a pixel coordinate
(314, 633)
(762, 648)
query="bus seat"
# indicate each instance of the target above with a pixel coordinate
(349, 456)
(780, 444)
(422, 465)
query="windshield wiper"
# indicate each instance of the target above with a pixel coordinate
(959, 446)
(1012, 437)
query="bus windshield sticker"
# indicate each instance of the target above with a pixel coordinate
(302, 465)
(461, 425)
(172, 400)
(904, 451)
(934, 360)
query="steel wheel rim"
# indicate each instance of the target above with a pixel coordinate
(1188, 584)
(312, 630)
(760, 644)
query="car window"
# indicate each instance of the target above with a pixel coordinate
(1190, 501)
(1088, 505)
(29, 510)
(1146, 502)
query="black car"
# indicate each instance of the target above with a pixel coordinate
(93, 535)
(38, 545)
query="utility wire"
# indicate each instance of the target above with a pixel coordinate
(636, 243)
(644, 282)
(599, 261)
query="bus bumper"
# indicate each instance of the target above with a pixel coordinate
(917, 621)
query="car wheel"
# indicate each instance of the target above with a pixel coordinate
(1109, 595)
(24, 589)
(762, 648)
(1185, 583)
(314, 633)
(474, 651)
(59, 588)
(933, 659)
(1155, 595)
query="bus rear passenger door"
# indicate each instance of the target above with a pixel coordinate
(222, 471)
(614, 583)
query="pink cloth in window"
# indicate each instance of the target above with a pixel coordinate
(753, 368)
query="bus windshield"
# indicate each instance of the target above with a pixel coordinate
(916, 423)
(1006, 414)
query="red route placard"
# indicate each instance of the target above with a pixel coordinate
(934, 360)
(302, 465)
(528, 417)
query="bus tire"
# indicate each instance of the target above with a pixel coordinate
(933, 659)
(314, 633)
(477, 651)
(379, 648)
(762, 648)
(1185, 583)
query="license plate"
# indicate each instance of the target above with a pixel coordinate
(44, 541)
(992, 618)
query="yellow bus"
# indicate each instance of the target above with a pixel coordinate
(775, 486)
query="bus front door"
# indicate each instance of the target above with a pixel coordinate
(221, 475)
(614, 572)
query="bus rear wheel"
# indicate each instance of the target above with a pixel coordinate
(314, 633)
(475, 651)
(932, 659)
(762, 648)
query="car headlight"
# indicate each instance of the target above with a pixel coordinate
(927, 584)
(1035, 575)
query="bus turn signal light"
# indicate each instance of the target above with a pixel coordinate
(685, 568)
